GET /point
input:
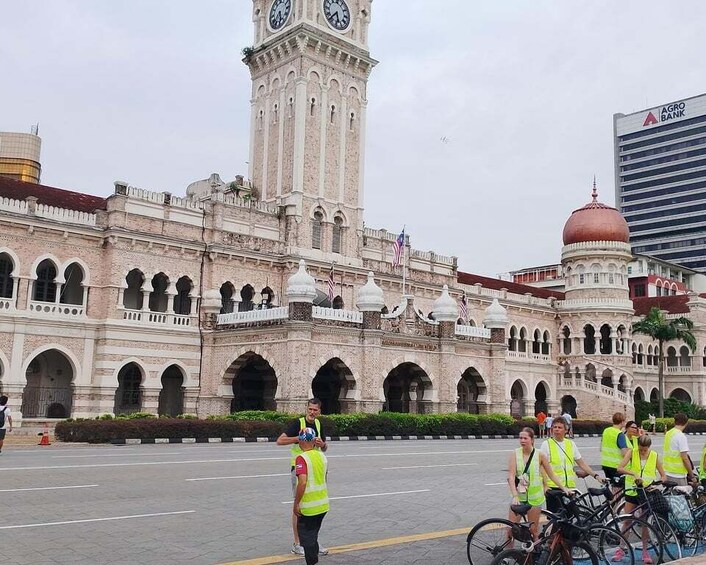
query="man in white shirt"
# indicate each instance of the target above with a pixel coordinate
(7, 419)
(676, 461)
(563, 455)
(569, 429)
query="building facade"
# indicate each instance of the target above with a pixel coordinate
(660, 180)
(261, 292)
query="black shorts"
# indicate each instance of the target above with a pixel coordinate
(610, 472)
(636, 500)
(2, 434)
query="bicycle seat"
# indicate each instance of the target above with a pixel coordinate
(521, 509)
(596, 491)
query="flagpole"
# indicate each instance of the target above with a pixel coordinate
(404, 262)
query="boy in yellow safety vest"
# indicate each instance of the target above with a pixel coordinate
(311, 497)
(614, 446)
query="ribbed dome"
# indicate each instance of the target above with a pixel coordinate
(596, 222)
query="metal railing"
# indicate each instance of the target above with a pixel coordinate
(46, 402)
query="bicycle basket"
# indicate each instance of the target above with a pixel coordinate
(679, 513)
(657, 501)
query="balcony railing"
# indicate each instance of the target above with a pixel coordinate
(338, 315)
(57, 310)
(235, 318)
(157, 318)
(679, 369)
(7, 304)
(473, 331)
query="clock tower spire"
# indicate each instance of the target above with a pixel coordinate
(309, 67)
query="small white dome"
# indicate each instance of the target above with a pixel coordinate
(445, 308)
(370, 296)
(495, 315)
(211, 301)
(301, 286)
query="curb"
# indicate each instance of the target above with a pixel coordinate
(335, 438)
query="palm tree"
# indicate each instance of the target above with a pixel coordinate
(659, 328)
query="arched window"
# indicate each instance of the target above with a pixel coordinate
(566, 332)
(684, 358)
(522, 344)
(606, 342)
(537, 342)
(589, 342)
(338, 303)
(45, 285)
(72, 289)
(227, 292)
(267, 299)
(182, 300)
(546, 343)
(337, 233)
(158, 296)
(132, 296)
(512, 340)
(316, 230)
(246, 295)
(6, 281)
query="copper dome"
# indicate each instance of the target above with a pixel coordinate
(596, 222)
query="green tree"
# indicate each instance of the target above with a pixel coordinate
(659, 328)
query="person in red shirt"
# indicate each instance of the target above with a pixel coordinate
(541, 418)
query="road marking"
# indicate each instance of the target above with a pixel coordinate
(45, 488)
(356, 547)
(126, 455)
(429, 466)
(247, 459)
(495, 484)
(368, 495)
(97, 520)
(238, 477)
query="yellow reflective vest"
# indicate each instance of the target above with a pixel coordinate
(295, 449)
(315, 499)
(535, 489)
(610, 452)
(673, 464)
(647, 472)
(563, 466)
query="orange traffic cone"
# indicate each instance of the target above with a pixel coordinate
(45, 436)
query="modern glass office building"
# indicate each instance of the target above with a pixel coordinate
(660, 180)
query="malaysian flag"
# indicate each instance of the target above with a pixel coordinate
(331, 286)
(463, 307)
(398, 250)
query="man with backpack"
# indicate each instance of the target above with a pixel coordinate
(5, 420)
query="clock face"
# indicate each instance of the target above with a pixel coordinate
(337, 14)
(279, 12)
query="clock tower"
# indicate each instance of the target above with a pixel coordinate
(309, 67)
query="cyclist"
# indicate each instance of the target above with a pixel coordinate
(640, 466)
(677, 463)
(632, 432)
(525, 478)
(563, 454)
(614, 446)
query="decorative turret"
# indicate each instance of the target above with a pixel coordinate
(301, 291)
(445, 308)
(371, 302)
(496, 320)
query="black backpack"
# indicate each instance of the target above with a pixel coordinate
(2, 416)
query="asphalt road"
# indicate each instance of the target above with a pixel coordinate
(220, 503)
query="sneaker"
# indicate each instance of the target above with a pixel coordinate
(646, 559)
(619, 555)
(323, 550)
(297, 549)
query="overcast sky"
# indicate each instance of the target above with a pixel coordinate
(523, 92)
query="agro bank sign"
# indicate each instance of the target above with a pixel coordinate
(676, 110)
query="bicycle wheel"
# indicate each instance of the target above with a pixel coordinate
(694, 541)
(609, 544)
(512, 557)
(671, 541)
(487, 539)
(641, 535)
(578, 554)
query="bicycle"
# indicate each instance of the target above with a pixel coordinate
(560, 543)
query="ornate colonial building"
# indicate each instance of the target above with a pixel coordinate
(218, 300)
